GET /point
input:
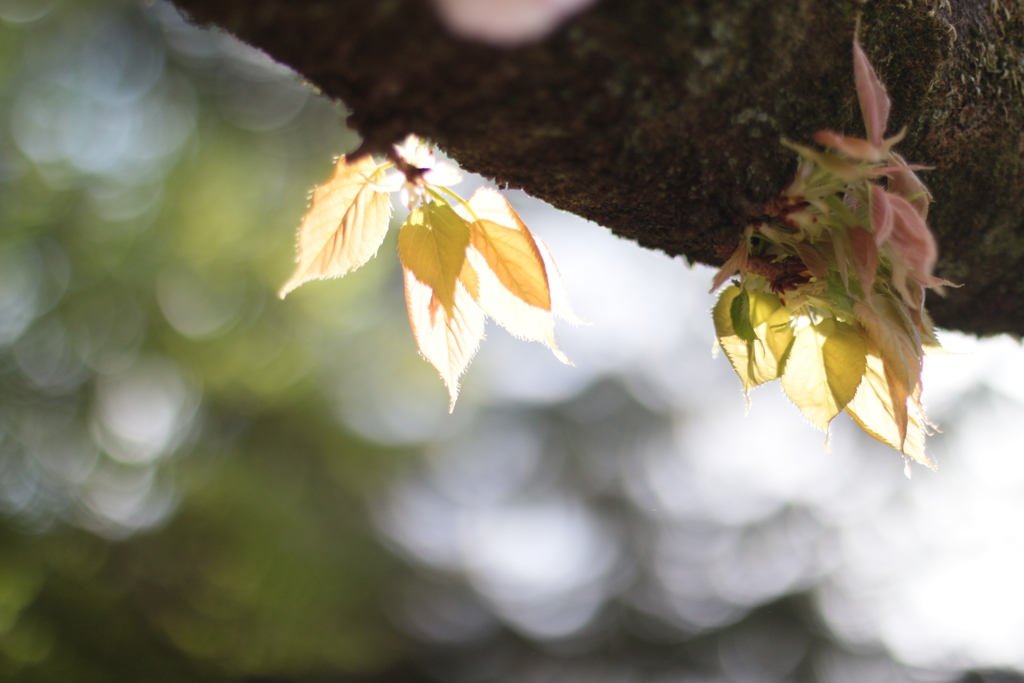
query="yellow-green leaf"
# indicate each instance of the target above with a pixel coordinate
(447, 337)
(501, 237)
(345, 224)
(824, 369)
(760, 360)
(432, 245)
(470, 280)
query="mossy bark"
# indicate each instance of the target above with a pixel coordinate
(661, 119)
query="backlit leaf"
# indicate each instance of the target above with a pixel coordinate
(515, 315)
(447, 337)
(559, 297)
(470, 279)
(760, 360)
(899, 347)
(872, 408)
(824, 369)
(501, 237)
(735, 263)
(432, 245)
(345, 224)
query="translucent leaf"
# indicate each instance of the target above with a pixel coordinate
(497, 232)
(735, 263)
(872, 408)
(447, 337)
(761, 360)
(345, 224)
(824, 369)
(432, 245)
(519, 318)
(559, 297)
(898, 345)
(470, 279)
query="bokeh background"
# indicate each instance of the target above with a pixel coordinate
(199, 482)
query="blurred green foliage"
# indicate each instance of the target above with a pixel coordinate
(233, 543)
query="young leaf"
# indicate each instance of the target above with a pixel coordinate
(735, 263)
(912, 239)
(432, 245)
(899, 347)
(559, 297)
(345, 224)
(739, 314)
(519, 318)
(761, 360)
(447, 337)
(874, 102)
(873, 409)
(905, 183)
(831, 163)
(501, 237)
(824, 369)
(812, 259)
(881, 214)
(470, 279)
(837, 292)
(850, 146)
(864, 253)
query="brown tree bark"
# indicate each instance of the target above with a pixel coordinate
(661, 119)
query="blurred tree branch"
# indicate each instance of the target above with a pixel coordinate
(661, 119)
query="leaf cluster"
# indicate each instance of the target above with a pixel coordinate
(462, 260)
(832, 283)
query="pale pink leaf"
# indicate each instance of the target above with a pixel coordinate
(812, 259)
(911, 238)
(904, 182)
(874, 102)
(881, 214)
(864, 253)
(737, 263)
(851, 147)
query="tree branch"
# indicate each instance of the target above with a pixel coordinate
(661, 119)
